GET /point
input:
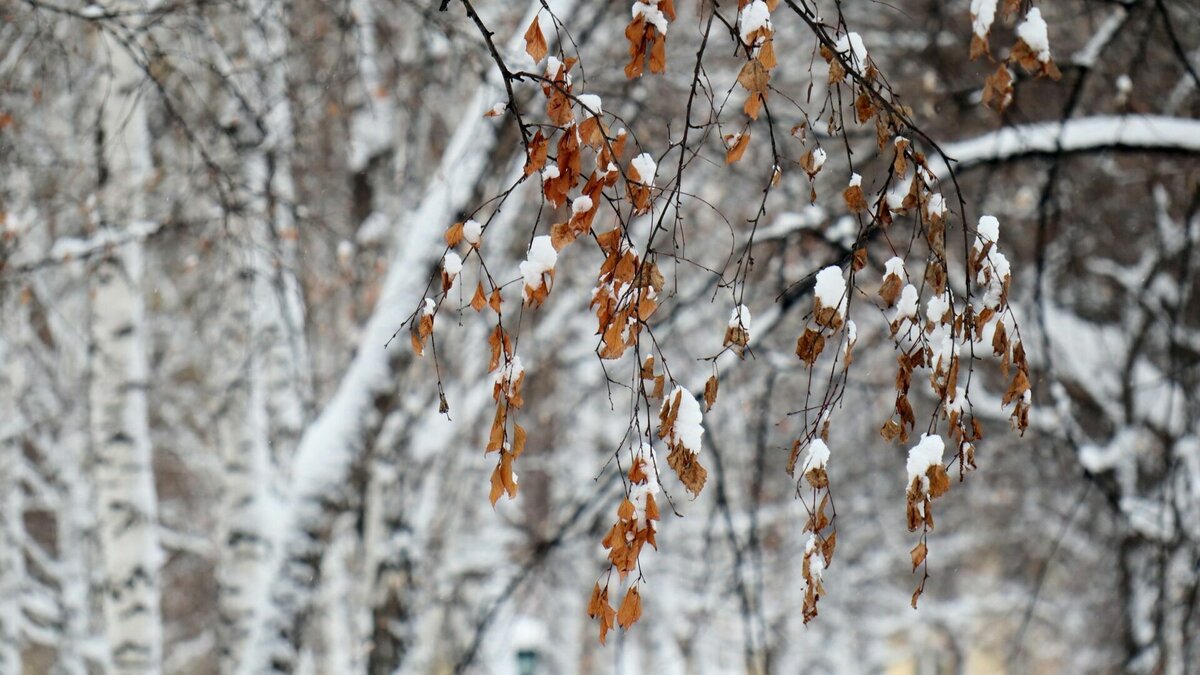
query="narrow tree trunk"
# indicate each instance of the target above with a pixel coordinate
(119, 422)
(12, 567)
(339, 437)
(268, 416)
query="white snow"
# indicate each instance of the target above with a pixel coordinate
(988, 230)
(855, 180)
(754, 16)
(1033, 32)
(509, 374)
(818, 159)
(894, 267)
(542, 258)
(591, 103)
(550, 172)
(830, 288)
(942, 349)
(472, 231)
(646, 168)
(817, 457)
(898, 193)
(937, 307)
(816, 558)
(983, 13)
(345, 253)
(740, 317)
(452, 264)
(582, 204)
(906, 307)
(639, 492)
(1087, 133)
(652, 14)
(429, 307)
(687, 429)
(926, 453)
(852, 43)
(498, 109)
(937, 204)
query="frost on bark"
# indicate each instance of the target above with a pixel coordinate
(12, 570)
(269, 409)
(124, 478)
(117, 393)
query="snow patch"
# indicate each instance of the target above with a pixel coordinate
(541, 260)
(581, 204)
(817, 457)
(740, 317)
(646, 168)
(926, 453)
(983, 13)
(591, 103)
(852, 43)
(452, 264)
(472, 231)
(754, 16)
(830, 289)
(1033, 32)
(687, 429)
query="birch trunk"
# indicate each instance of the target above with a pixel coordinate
(119, 423)
(265, 424)
(12, 567)
(337, 440)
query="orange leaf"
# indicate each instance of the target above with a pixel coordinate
(754, 76)
(518, 440)
(497, 486)
(454, 235)
(735, 152)
(479, 300)
(535, 42)
(918, 555)
(631, 609)
(710, 393)
(658, 55)
(538, 148)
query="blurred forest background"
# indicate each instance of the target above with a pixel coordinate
(215, 213)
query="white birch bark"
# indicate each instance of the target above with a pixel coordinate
(119, 422)
(337, 439)
(12, 567)
(265, 424)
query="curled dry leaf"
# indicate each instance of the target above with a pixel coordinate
(809, 346)
(535, 42)
(710, 393)
(479, 300)
(737, 144)
(855, 200)
(454, 235)
(631, 609)
(997, 89)
(688, 468)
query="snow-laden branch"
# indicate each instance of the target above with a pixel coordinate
(1076, 135)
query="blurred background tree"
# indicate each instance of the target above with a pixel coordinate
(216, 215)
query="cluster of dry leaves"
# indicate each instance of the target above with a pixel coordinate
(998, 87)
(581, 164)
